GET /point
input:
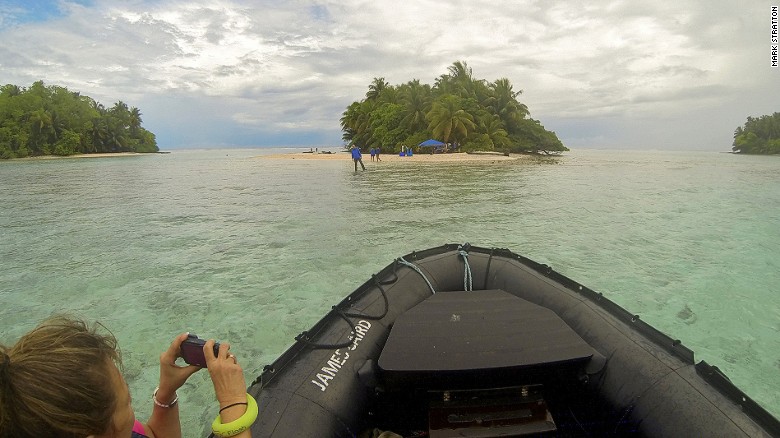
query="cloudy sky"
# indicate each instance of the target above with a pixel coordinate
(669, 74)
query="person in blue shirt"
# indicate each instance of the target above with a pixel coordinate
(357, 157)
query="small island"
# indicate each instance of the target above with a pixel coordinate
(52, 120)
(465, 113)
(758, 136)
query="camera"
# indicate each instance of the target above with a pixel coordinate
(192, 350)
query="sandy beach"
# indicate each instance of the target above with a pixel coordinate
(395, 158)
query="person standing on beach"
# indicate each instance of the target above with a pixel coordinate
(357, 157)
(376, 151)
(372, 151)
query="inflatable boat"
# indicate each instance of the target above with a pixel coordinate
(464, 341)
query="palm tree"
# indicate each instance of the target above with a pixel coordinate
(135, 121)
(447, 120)
(416, 100)
(10, 90)
(40, 120)
(100, 135)
(463, 79)
(116, 140)
(121, 112)
(58, 124)
(356, 122)
(40, 126)
(502, 101)
(460, 71)
(97, 106)
(375, 89)
(349, 121)
(493, 128)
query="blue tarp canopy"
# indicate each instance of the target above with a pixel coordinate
(431, 143)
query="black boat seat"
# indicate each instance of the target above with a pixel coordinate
(455, 335)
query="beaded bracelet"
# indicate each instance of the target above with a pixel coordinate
(163, 405)
(239, 425)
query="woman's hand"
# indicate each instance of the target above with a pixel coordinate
(164, 421)
(173, 376)
(226, 374)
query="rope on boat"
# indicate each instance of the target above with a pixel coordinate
(306, 339)
(378, 284)
(487, 270)
(467, 278)
(417, 270)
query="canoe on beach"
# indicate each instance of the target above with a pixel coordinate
(460, 340)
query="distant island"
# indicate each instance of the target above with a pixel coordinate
(758, 136)
(466, 113)
(51, 120)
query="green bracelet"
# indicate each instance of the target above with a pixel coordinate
(239, 425)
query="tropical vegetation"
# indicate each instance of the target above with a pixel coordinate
(758, 136)
(471, 114)
(51, 120)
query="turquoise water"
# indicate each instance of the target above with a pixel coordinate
(253, 251)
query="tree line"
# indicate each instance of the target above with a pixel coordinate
(51, 120)
(473, 113)
(758, 136)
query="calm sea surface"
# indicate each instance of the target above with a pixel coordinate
(253, 251)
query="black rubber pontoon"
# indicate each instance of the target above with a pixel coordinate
(528, 350)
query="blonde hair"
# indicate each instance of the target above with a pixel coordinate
(54, 382)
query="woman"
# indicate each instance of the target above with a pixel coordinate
(63, 379)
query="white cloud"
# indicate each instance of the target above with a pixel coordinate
(290, 68)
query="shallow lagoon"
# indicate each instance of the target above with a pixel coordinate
(253, 251)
